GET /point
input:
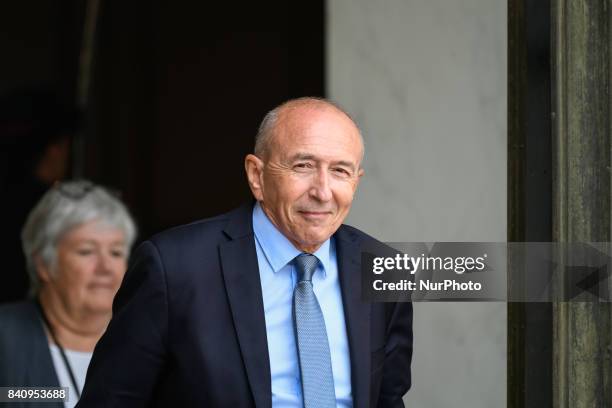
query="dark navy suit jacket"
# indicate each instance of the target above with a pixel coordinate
(188, 326)
(25, 359)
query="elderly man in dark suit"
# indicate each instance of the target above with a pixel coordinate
(261, 307)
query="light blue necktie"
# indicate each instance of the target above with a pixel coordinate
(313, 348)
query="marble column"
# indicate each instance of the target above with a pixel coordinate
(426, 81)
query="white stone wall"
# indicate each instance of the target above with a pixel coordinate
(426, 81)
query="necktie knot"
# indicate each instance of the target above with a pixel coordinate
(306, 265)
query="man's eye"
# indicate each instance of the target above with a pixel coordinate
(303, 166)
(341, 171)
(84, 252)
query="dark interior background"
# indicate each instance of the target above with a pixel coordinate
(176, 92)
(178, 89)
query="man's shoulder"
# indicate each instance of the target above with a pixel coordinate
(351, 233)
(364, 241)
(206, 231)
(185, 233)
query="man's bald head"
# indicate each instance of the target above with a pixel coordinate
(275, 118)
(305, 170)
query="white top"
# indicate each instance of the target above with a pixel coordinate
(79, 361)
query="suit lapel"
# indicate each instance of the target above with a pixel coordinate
(241, 275)
(356, 315)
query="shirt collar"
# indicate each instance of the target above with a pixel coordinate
(277, 249)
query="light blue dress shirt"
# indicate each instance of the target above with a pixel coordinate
(278, 279)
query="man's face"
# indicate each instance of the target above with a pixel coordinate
(310, 173)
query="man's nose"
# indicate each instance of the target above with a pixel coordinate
(320, 188)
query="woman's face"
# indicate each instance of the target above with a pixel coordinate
(91, 262)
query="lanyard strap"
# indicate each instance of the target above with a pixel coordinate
(61, 349)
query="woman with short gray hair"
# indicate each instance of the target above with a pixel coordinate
(76, 242)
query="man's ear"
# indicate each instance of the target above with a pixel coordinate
(254, 170)
(360, 174)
